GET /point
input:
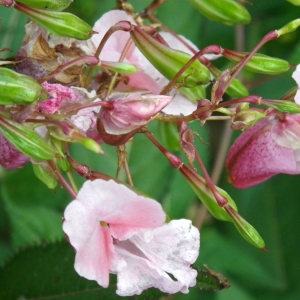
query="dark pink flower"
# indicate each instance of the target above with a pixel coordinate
(270, 147)
(10, 157)
(114, 230)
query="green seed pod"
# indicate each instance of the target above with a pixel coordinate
(48, 177)
(19, 89)
(205, 195)
(260, 63)
(169, 61)
(26, 140)
(228, 12)
(59, 23)
(284, 106)
(57, 5)
(289, 27)
(247, 231)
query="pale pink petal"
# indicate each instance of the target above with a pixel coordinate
(287, 133)
(92, 242)
(139, 274)
(117, 42)
(124, 211)
(139, 82)
(173, 248)
(180, 105)
(10, 156)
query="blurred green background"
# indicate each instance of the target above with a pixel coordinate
(30, 214)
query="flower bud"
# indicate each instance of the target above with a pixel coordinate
(59, 23)
(16, 88)
(57, 5)
(169, 61)
(121, 116)
(26, 140)
(260, 63)
(228, 12)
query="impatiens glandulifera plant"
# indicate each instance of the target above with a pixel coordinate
(73, 84)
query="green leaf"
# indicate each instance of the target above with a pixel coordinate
(47, 272)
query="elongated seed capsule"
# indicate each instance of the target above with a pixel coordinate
(57, 5)
(20, 89)
(228, 12)
(59, 23)
(169, 61)
(260, 63)
(26, 140)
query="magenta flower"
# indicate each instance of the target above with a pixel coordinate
(129, 112)
(114, 230)
(10, 157)
(270, 147)
(62, 97)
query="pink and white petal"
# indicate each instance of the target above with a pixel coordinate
(180, 105)
(296, 75)
(173, 247)
(139, 274)
(116, 43)
(92, 242)
(255, 157)
(139, 82)
(287, 133)
(124, 211)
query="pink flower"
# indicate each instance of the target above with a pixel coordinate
(152, 80)
(270, 147)
(296, 76)
(10, 157)
(114, 230)
(62, 97)
(129, 112)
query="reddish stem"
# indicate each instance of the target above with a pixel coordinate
(62, 179)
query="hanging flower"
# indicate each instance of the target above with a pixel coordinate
(129, 112)
(270, 147)
(114, 230)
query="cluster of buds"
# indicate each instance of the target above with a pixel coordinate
(71, 83)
